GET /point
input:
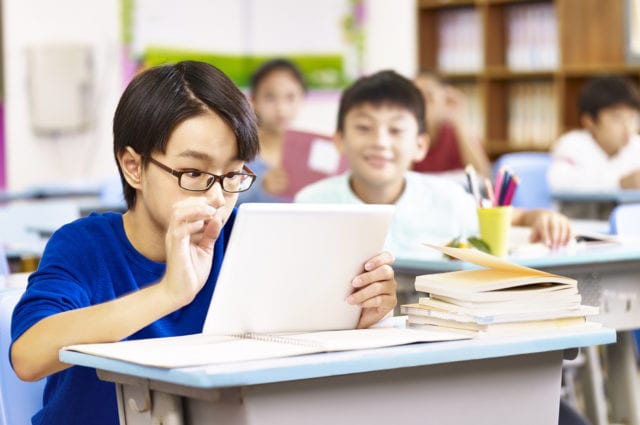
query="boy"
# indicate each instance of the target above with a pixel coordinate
(151, 272)
(452, 143)
(605, 154)
(381, 130)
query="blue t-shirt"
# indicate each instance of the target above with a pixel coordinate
(87, 262)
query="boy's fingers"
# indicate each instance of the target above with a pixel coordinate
(384, 272)
(379, 260)
(387, 287)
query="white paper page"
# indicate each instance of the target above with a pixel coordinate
(323, 157)
(192, 350)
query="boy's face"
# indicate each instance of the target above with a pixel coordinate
(278, 100)
(380, 143)
(204, 143)
(613, 127)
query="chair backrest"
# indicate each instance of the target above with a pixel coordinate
(4, 264)
(625, 220)
(19, 400)
(531, 168)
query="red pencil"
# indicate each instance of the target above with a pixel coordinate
(498, 186)
(511, 189)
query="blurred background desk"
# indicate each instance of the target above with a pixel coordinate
(593, 205)
(608, 277)
(29, 217)
(513, 380)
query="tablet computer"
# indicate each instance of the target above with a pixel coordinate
(288, 267)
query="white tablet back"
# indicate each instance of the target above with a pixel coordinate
(288, 267)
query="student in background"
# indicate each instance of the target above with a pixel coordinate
(453, 144)
(182, 135)
(381, 130)
(605, 154)
(277, 93)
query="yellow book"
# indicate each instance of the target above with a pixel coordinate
(503, 329)
(499, 280)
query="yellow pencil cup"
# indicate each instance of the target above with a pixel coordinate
(495, 224)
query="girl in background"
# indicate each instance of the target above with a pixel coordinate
(277, 93)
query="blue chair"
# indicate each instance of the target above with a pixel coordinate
(625, 220)
(19, 400)
(4, 264)
(531, 168)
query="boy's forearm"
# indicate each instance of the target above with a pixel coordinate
(35, 354)
(472, 153)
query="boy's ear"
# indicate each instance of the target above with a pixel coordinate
(422, 148)
(338, 141)
(131, 165)
(587, 121)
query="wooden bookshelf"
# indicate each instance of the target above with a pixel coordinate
(585, 38)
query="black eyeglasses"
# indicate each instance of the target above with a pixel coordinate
(201, 181)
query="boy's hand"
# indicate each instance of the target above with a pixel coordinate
(375, 290)
(550, 228)
(193, 229)
(631, 180)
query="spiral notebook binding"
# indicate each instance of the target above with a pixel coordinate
(278, 339)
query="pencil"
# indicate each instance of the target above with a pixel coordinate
(490, 195)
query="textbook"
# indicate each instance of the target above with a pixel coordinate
(502, 297)
(309, 157)
(499, 280)
(497, 316)
(502, 329)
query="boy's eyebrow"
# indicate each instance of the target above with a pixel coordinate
(195, 154)
(360, 113)
(189, 153)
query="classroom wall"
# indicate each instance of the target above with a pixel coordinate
(35, 160)
(86, 157)
(391, 43)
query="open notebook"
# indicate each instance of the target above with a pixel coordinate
(281, 290)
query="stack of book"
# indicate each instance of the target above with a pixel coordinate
(501, 298)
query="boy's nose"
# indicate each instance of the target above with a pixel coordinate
(215, 195)
(382, 138)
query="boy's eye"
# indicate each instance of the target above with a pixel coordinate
(362, 127)
(396, 131)
(193, 173)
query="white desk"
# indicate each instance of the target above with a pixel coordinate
(608, 277)
(596, 205)
(622, 196)
(486, 381)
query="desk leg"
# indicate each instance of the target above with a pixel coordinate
(138, 405)
(623, 389)
(593, 389)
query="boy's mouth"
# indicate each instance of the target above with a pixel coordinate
(377, 161)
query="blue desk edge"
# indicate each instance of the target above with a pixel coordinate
(346, 362)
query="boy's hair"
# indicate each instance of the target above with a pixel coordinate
(273, 65)
(156, 101)
(605, 91)
(383, 87)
